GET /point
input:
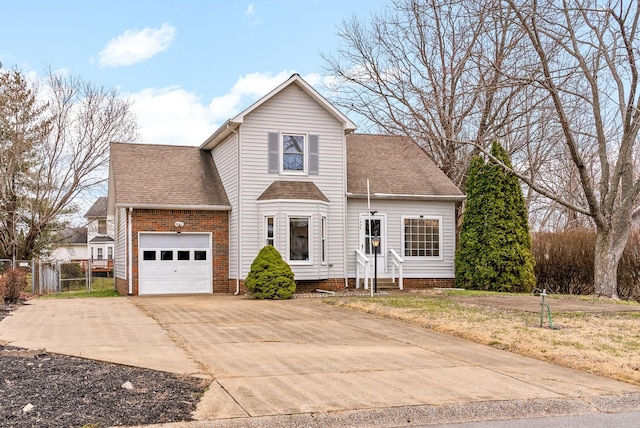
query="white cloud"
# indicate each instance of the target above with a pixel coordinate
(135, 46)
(171, 116)
(250, 10)
(246, 90)
(175, 116)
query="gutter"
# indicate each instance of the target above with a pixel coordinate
(175, 207)
(239, 205)
(408, 196)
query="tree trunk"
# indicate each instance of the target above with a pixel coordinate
(608, 251)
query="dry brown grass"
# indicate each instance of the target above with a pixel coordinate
(601, 342)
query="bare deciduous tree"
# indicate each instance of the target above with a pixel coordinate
(54, 142)
(592, 78)
(555, 82)
(431, 70)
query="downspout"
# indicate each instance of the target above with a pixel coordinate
(345, 213)
(239, 187)
(130, 250)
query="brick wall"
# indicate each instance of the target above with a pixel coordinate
(416, 283)
(215, 222)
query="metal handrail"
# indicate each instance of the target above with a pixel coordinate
(396, 262)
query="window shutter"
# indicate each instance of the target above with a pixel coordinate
(274, 153)
(314, 161)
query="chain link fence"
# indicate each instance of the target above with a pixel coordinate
(47, 277)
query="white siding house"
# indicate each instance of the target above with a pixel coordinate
(289, 172)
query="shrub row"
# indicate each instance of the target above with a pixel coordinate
(12, 283)
(564, 263)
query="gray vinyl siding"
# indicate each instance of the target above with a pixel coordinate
(442, 267)
(293, 111)
(225, 156)
(120, 247)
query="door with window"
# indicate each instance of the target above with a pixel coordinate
(372, 228)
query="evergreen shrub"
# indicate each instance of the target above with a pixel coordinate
(270, 276)
(495, 245)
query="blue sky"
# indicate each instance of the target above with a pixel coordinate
(188, 65)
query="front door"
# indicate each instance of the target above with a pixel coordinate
(374, 226)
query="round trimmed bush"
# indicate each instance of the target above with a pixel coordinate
(270, 277)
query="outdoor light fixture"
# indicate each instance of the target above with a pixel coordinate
(375, 241)
(179, 225)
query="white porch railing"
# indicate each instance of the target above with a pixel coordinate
(363, 267)
(396, 263)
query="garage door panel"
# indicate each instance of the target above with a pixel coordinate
(171, 265)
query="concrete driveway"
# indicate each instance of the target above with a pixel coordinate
(302, 357)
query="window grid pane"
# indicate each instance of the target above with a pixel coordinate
(421, 237)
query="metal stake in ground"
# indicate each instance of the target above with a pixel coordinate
(542, 306)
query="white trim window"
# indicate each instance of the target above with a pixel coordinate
(269, 231)
(422, 236)
(294, 154)
(323, 240)
(300, 239)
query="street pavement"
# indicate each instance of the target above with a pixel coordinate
(305, 363)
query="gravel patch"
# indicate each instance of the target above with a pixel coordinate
(50, 390)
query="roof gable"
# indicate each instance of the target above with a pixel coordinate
(396, 168)
(159, 176)
(232, 125)
(98, 209)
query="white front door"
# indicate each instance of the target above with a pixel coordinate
(374, 226)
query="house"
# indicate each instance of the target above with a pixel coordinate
(100, 242)
(289, 172)
(71, 244)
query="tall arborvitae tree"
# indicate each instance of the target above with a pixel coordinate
(469, 256)
(495, 245)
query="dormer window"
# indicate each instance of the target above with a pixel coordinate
(102, 227)
(293, 153)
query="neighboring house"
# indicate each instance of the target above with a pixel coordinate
(100, 232)
(71, 245)
(289, 172)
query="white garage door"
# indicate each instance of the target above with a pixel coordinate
(171, 263)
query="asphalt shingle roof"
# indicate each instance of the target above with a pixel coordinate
(98, 209)
(394, 165)
(159, 175)
(293, 190)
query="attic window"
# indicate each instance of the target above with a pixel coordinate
(102, 227)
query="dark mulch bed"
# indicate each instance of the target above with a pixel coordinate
(50, 390)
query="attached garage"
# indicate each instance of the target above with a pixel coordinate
(174, 263)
